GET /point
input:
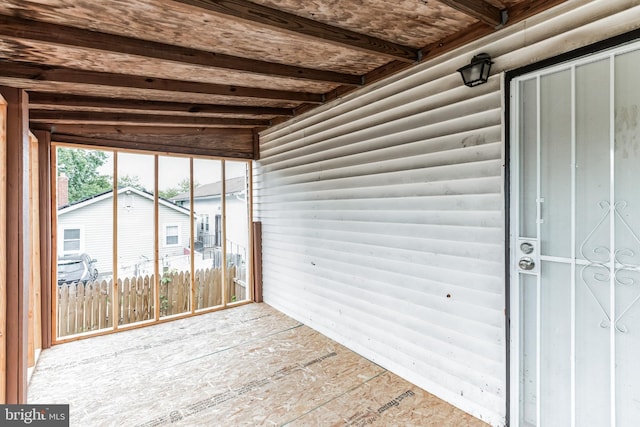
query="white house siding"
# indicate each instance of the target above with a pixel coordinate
(96, 222)
(383, 220)
(171, 216)
(135, 230)
(136, 234)
(237, 224)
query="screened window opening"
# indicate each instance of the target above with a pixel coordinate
(135, 243)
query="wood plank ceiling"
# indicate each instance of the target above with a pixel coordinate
(204, 76)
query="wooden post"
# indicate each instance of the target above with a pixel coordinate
(257, 261)
(114, 245)
(34, 336)
(223, 211)
(53, 250)
(18, 240)
(192, 253)
(3, 247)
(44, 171)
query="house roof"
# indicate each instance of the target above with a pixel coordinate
(205, 76)
(213, 189)
(108, 194)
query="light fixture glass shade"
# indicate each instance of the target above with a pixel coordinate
(477, 72)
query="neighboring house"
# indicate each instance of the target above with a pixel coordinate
(87, 226)
(207, 204)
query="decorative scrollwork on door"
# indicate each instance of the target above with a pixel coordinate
(601, 265)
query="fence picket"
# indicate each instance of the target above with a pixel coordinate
(216, 287)
(100, 304)
(136, 303)
(198, 283)
(79, 296)
(123, 299)
(206, 291)
(146, 296)
(231, 288)
(63, 310)
(87, 307)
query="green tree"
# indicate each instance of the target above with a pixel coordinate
(182, 187)
(130, 181)
(81, 167)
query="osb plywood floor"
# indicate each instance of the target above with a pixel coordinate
(246, 366)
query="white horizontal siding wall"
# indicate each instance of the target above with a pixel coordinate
(383, 221)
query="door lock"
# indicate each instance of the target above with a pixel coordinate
(526, 263)
(526, 248)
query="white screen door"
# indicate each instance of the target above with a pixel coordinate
(575, 247)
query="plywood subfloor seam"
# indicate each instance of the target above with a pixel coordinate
(240, 344)
(335, 397)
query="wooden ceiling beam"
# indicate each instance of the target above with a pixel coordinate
(239, 150)
(479, 9)
(120, 131)
(18, 28)
(283, 21)
(44, 100)
(38, 72)
(159, 120)
(474, 32)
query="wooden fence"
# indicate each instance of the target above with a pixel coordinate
(86, 307)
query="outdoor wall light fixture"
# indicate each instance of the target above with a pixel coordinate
(477, 72)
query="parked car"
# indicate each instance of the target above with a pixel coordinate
(76, 268)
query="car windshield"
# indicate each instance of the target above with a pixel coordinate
(70, 266)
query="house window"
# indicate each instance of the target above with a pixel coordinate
(172, 235)
(204, 223)
(72, 242)
(218, 230)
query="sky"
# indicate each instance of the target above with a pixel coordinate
(172, 170)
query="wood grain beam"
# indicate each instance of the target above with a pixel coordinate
(18, 28)
(474, 32)
(44, 177)
(283, 21)
(18, 256)
(45, 100)
(479, 9)
(159, 120)
(208, 148)
(135, 131)
(31, 72)
(524, 10)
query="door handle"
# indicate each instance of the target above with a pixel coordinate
(526, 263)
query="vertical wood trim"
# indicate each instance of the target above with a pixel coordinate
(17, 235)
(33, 333)
(3, 247)
(44, 188)
(116, 298)
(53, 189)
(191, 228)
(250, 275)
(223, 204)
(257, 261)
(36, 259)
(156, 218)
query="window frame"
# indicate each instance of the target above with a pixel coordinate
(80, 240)
(165, 234)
